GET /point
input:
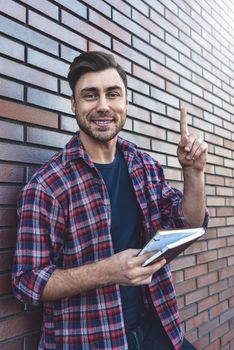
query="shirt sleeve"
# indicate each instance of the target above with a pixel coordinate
(171, 206)
(39, 243)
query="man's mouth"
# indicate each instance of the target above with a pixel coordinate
(102, 123)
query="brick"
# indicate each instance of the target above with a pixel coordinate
(27, 35)
(202, 342)
(142, 142)
(151, 78)
(199, 40)
(49, 27)
(11, 173)
(197, 295)
(164, 97)
(223, 152)
(180, 262)
(9, 306)
(207, 303)
(138, 113)
(164, 48)
(47, 63)
(11, 131)
(148, 50)
(27, 74)
(163, 147)
(19, 325)
(84, 28)
(130, 53)
(44, 6)
(213, 139)
(138, 85)
(218, 287)
(216, 243)
(47, 138)
(64, 88)
(149, 130)
(75, 6)
(216, 333)
(207, 327)
(162, 71)
(167, 123)
(172, 174)
(11, 48)
(215, 201)
(148, 24)
(7, 238)
(228, 272)
(48, 100)
(141, 7)
(180, 46)
(11, 89)
(32, 341)
(214, 345)
(227, 337)
(178, 92)
(218, 309)
(68, 54)
(7, 217)
(224, 231)
(104, 8)
(149, 103)
(28, 114)
(188, 312)
(9, 194)
(120, 5)
(6, 261)
(13, 345)
(197, 320)
(14, 10)
(193, 88)
(110, 27)
(225, 191)
(25, 154)
(5, 284)
(207, 279)
(157, 18)
(224, 252)
(211, 118)
(68, 124)
(223, 171)
(226, 294)
(185, 287)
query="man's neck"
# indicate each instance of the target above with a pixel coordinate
(99, 152)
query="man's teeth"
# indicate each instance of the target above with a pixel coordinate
(102, 122)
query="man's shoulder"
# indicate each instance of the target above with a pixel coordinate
(54, 173)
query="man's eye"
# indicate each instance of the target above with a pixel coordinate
(90, 97)
(113, 94)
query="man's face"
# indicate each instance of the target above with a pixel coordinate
(100, 104)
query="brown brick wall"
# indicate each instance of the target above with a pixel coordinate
(175, 53)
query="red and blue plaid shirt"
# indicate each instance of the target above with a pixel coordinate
(64, 221)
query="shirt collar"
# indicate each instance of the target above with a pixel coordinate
(75, 150)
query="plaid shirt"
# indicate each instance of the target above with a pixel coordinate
(64, 221)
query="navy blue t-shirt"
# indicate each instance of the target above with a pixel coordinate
(125, 225)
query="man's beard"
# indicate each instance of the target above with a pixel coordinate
(102, 135)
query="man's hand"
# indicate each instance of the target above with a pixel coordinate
(125, 268)
(192, 150)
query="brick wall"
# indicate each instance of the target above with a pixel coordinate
(176, 53)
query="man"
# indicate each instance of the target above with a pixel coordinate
(86, 213)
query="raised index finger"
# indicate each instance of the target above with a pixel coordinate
(183, 122)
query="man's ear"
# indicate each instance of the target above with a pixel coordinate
(73, 108)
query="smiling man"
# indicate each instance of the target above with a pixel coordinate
(86, 213)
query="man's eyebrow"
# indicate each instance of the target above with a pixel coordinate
(94, 88)
(91, 88)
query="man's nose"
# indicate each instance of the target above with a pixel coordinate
(103, 103)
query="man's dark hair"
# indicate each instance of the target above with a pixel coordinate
(93, 61)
